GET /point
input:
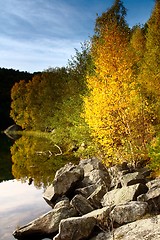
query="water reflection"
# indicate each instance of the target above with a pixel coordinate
(5, 158)
(19, 204)
(33, 162)
(38, 159)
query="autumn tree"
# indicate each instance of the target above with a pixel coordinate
(35, 102)
(8, 78)
(45, 94)
(19, 104)
(150, 71)
(72, 130)
(114, 107)
(52, 101)
(138, 45)
(149, 76)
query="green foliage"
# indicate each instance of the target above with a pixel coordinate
(149, 79)
(106, 102)
(150, 70)
(52, 101)
(154, 154)
(121, 114)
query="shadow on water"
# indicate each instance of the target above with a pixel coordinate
(5, 158)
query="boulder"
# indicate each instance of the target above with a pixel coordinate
(102, 217)
(144, 229)
(123, 175)
(146, 172)
(88, 199)
(123, 195)
(65, 181)
(154, 183)
(96, 196)
(91, 164)
(96, 177)
(63, 202)
(45, 225)
(81, 227)
(128, 212)
(132, 178)
(152, 196)
(75, 228)
(86, 191)
(81, 204)
(115, 175)
(94, 173)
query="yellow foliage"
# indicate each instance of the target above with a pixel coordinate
(114, 108)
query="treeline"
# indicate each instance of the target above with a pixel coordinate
(8, 77)
(106, 101)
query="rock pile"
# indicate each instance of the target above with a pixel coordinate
(92, 202)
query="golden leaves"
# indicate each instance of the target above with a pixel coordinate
(115, 109)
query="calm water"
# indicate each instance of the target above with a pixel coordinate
(20, 160)
(25, 158)
(19, 204)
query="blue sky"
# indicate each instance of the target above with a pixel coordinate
(38, 34)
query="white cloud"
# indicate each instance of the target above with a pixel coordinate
(36, 55)
(42, 17)
(37, 34)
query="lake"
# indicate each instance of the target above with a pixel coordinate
(19, 204)
(21, 160)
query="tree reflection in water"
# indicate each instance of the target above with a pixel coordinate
(37, 159)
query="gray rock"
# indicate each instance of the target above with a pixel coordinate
(132, 178)
(96, 197)
(102, 217)
(115, 175)
(152, 196)
(94, 173)
(144, 229)
(81, 204)
(86, 191)
(123, 195)
(146, 172)
(91, 164)
(46, 224)
(81, 227)
(63, 202)
(97, 177)
(154, 183)
(65, 180)
(75, 228)
(128, 212)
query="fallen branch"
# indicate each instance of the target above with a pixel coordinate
(60, 150)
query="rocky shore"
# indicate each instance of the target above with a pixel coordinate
(90, 201)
